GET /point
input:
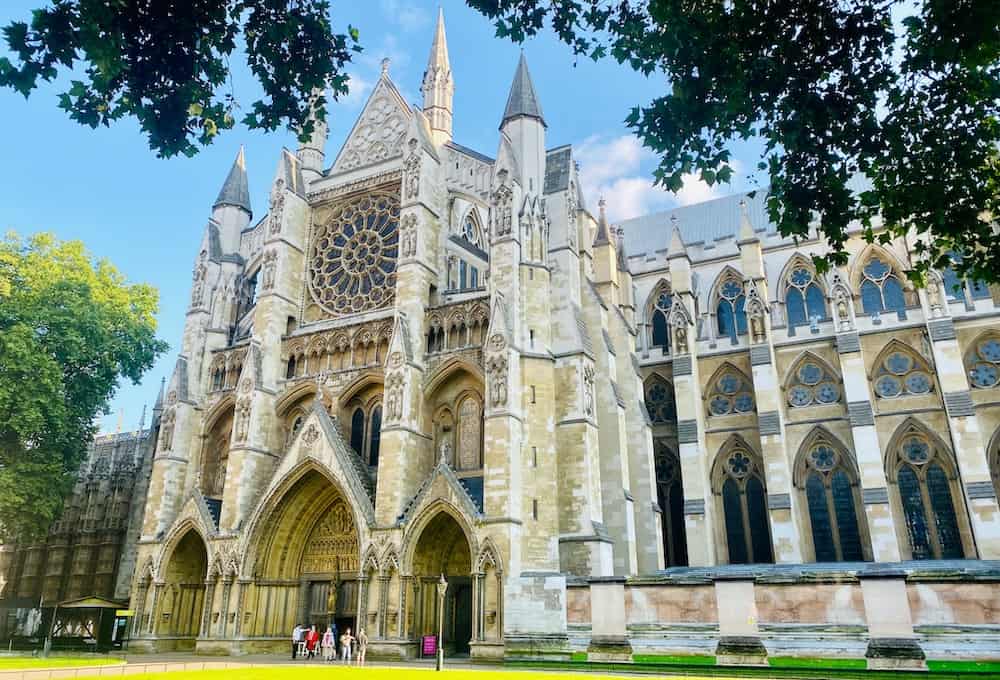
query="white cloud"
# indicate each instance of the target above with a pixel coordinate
(359, 88)
(620, 170)
(406, 15)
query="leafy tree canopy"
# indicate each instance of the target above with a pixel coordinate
(166, 62)
(70, 328)
(834, 89)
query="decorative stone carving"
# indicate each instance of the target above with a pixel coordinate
(503, 206)
(167, 430)
(470, 419)
(394, 397)
(497, 342)
(411, 173)
(756, 311)
(332, 546)
(588, 390)
(277, 206)
(243, 408)
(309, 438)
(198, 276)
(680, 321)
(842, 302)
(352, 258)
(268, 269)
(445, 457)
(496, 368)
(378, 135)
(408, 235)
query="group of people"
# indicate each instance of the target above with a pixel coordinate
(307, 641)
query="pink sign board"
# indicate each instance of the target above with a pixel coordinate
(430, 646)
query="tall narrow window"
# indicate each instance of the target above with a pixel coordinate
(659, 312)
(881, 290)
(462, 274)
(375, 436)
(804, 300)
(290, 370)
(358, 431)
(744, 506)
(670, 495)
(660, 402)
(927, 488)
(730, 313)
(833, 499)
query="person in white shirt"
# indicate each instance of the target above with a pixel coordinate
(297, 636)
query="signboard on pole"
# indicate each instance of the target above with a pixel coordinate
(430, 645)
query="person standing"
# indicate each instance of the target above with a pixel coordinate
(345, 645)
(329, 644)
(312, 641)
(296, 639)
(362, 646)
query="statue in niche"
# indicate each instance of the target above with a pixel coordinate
(445, 458)
(681, 339)
(469, 430)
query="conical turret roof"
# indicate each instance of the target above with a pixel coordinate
(522, 100)
(236, 190)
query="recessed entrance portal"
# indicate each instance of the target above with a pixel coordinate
(444, 549)
(183, 596)
(307, 563)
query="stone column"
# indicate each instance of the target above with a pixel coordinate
(241, 597)
(153, 613)
(967, 438)
(868, 452)
(140, 606)
(739, 636)
(227, 586)
(383, 607)
(207, 606)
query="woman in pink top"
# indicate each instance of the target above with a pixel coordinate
(329, 645)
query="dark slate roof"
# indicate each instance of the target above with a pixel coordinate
(470, 152)
(557, 169)
(522, 100)
(581, 327)
(236, 190)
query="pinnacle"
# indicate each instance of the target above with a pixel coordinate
(236, 190)
(522, 100)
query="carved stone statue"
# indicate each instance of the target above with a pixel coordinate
(681, 339)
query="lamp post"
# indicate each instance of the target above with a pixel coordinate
(442, 588)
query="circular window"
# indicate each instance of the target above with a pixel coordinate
(888, 386)
(743, 403)
(729, 384)
(990, 350)
(827, 393)
(801, 277)
(352, 260)
(918, 383)
(800, 396)
(739, 464)
(916, 450)
(720, 405)
(984, 375)
(823, 458)
(898, 363)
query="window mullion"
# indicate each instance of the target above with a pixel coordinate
(747, 538)
(834, 526)
(930, 518)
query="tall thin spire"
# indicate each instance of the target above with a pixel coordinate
(438, 86)
(312, 154)
(236, 190)
(522, 100)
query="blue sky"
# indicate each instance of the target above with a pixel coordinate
(106, 188)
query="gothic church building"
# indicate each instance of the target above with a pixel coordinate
(427, 361)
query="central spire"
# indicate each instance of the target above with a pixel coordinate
(438, 86)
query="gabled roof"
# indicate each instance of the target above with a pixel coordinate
(236, 190)
(522, 100)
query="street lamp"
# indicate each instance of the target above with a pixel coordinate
(442, 587)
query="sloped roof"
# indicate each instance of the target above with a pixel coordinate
(236, 190)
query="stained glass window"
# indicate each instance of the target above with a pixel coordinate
(901, 373)
(660, 402)
(983, 364)
(730, 314)
(832, 499)
(659, 311)
(731, 393)
(358, 431)
(670, 495)
(881, 290)
(812, 384)
(804, 299)
(375, 430)
(955, 287)
(926, 492)
(744, 505)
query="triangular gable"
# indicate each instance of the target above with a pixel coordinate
(379, 132)
(400, 349)
(441, 483)
(498, 323)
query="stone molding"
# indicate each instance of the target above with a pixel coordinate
(848, 342)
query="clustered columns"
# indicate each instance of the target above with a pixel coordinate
(968, 440)
(869, 453)
(699, 506)
(786, 534)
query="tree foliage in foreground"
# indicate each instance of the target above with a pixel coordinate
(833, 88)
(167, 62)
(70, 328)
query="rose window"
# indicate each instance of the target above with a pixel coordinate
(352, 260)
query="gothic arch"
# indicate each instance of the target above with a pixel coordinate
(488, 555)
(656, 314)
(216, 412)
(293, 397)
(739, 490)
(357, 385)
(369, 561)
(389, 561)
(659, 399)
(926, 492)
(449, 367)
(805, 386)
(795, 260)
(473, 214)
(920, 365)
(808, 355)
(715, 389)
(174, 536)
(869, 252)
(416, 527)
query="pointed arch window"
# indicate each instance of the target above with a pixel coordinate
(730, 393)
(804, 299)
(928, 493)
(902, 373)
(834, 503)
(358, 431)
(471, 231)
(730, 313)
(983, 364)
(881, 289)
(813, 385)
(670, 496)
(958, 288)
(659, 313)
(744, 508)
(374, 435)
(660, 402)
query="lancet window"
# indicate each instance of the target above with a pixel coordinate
(670, 496)
(366, 432)
(881, 289)
(659, 312)
(804, 299)
(730, 313)
(832, 495)
(739, 480)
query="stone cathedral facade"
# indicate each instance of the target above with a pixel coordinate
(427, 361)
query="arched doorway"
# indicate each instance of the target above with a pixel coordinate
(443, 548)
(306, 564)
(183, 595)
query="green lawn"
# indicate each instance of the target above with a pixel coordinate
(10, 663)
(370, 673)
